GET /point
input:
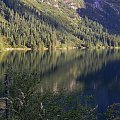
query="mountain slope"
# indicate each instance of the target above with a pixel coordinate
(106, 12)
(52, 24)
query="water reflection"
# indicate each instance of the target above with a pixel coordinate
(89, 72)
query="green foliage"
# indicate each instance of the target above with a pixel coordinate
(3, 43)
(36, 27)
(1, 47)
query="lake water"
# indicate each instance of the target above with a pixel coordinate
(82, 72)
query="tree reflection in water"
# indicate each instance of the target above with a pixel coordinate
(34, 76)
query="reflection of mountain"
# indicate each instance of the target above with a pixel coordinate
(56, 70)
(104, 84)
(81, 72)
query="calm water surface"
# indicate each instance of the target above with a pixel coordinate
(82, 72)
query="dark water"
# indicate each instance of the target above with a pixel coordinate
(82, 72)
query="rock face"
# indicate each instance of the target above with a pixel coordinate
(106, 12)
(74, 4)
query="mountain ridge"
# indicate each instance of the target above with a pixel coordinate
(106, 12)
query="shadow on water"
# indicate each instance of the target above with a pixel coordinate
(91, 77)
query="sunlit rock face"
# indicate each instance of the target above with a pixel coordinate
(73, 4)
(106, 12)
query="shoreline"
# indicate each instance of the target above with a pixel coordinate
(64, 48)
(44, 49)
(17, 49)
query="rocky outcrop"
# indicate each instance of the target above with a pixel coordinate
(106, 12)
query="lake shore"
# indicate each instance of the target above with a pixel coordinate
(58, 48)
(28, 49)
(17, 49)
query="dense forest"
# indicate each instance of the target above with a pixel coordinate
(27, 24)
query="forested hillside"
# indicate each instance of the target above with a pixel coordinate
(51, 24)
